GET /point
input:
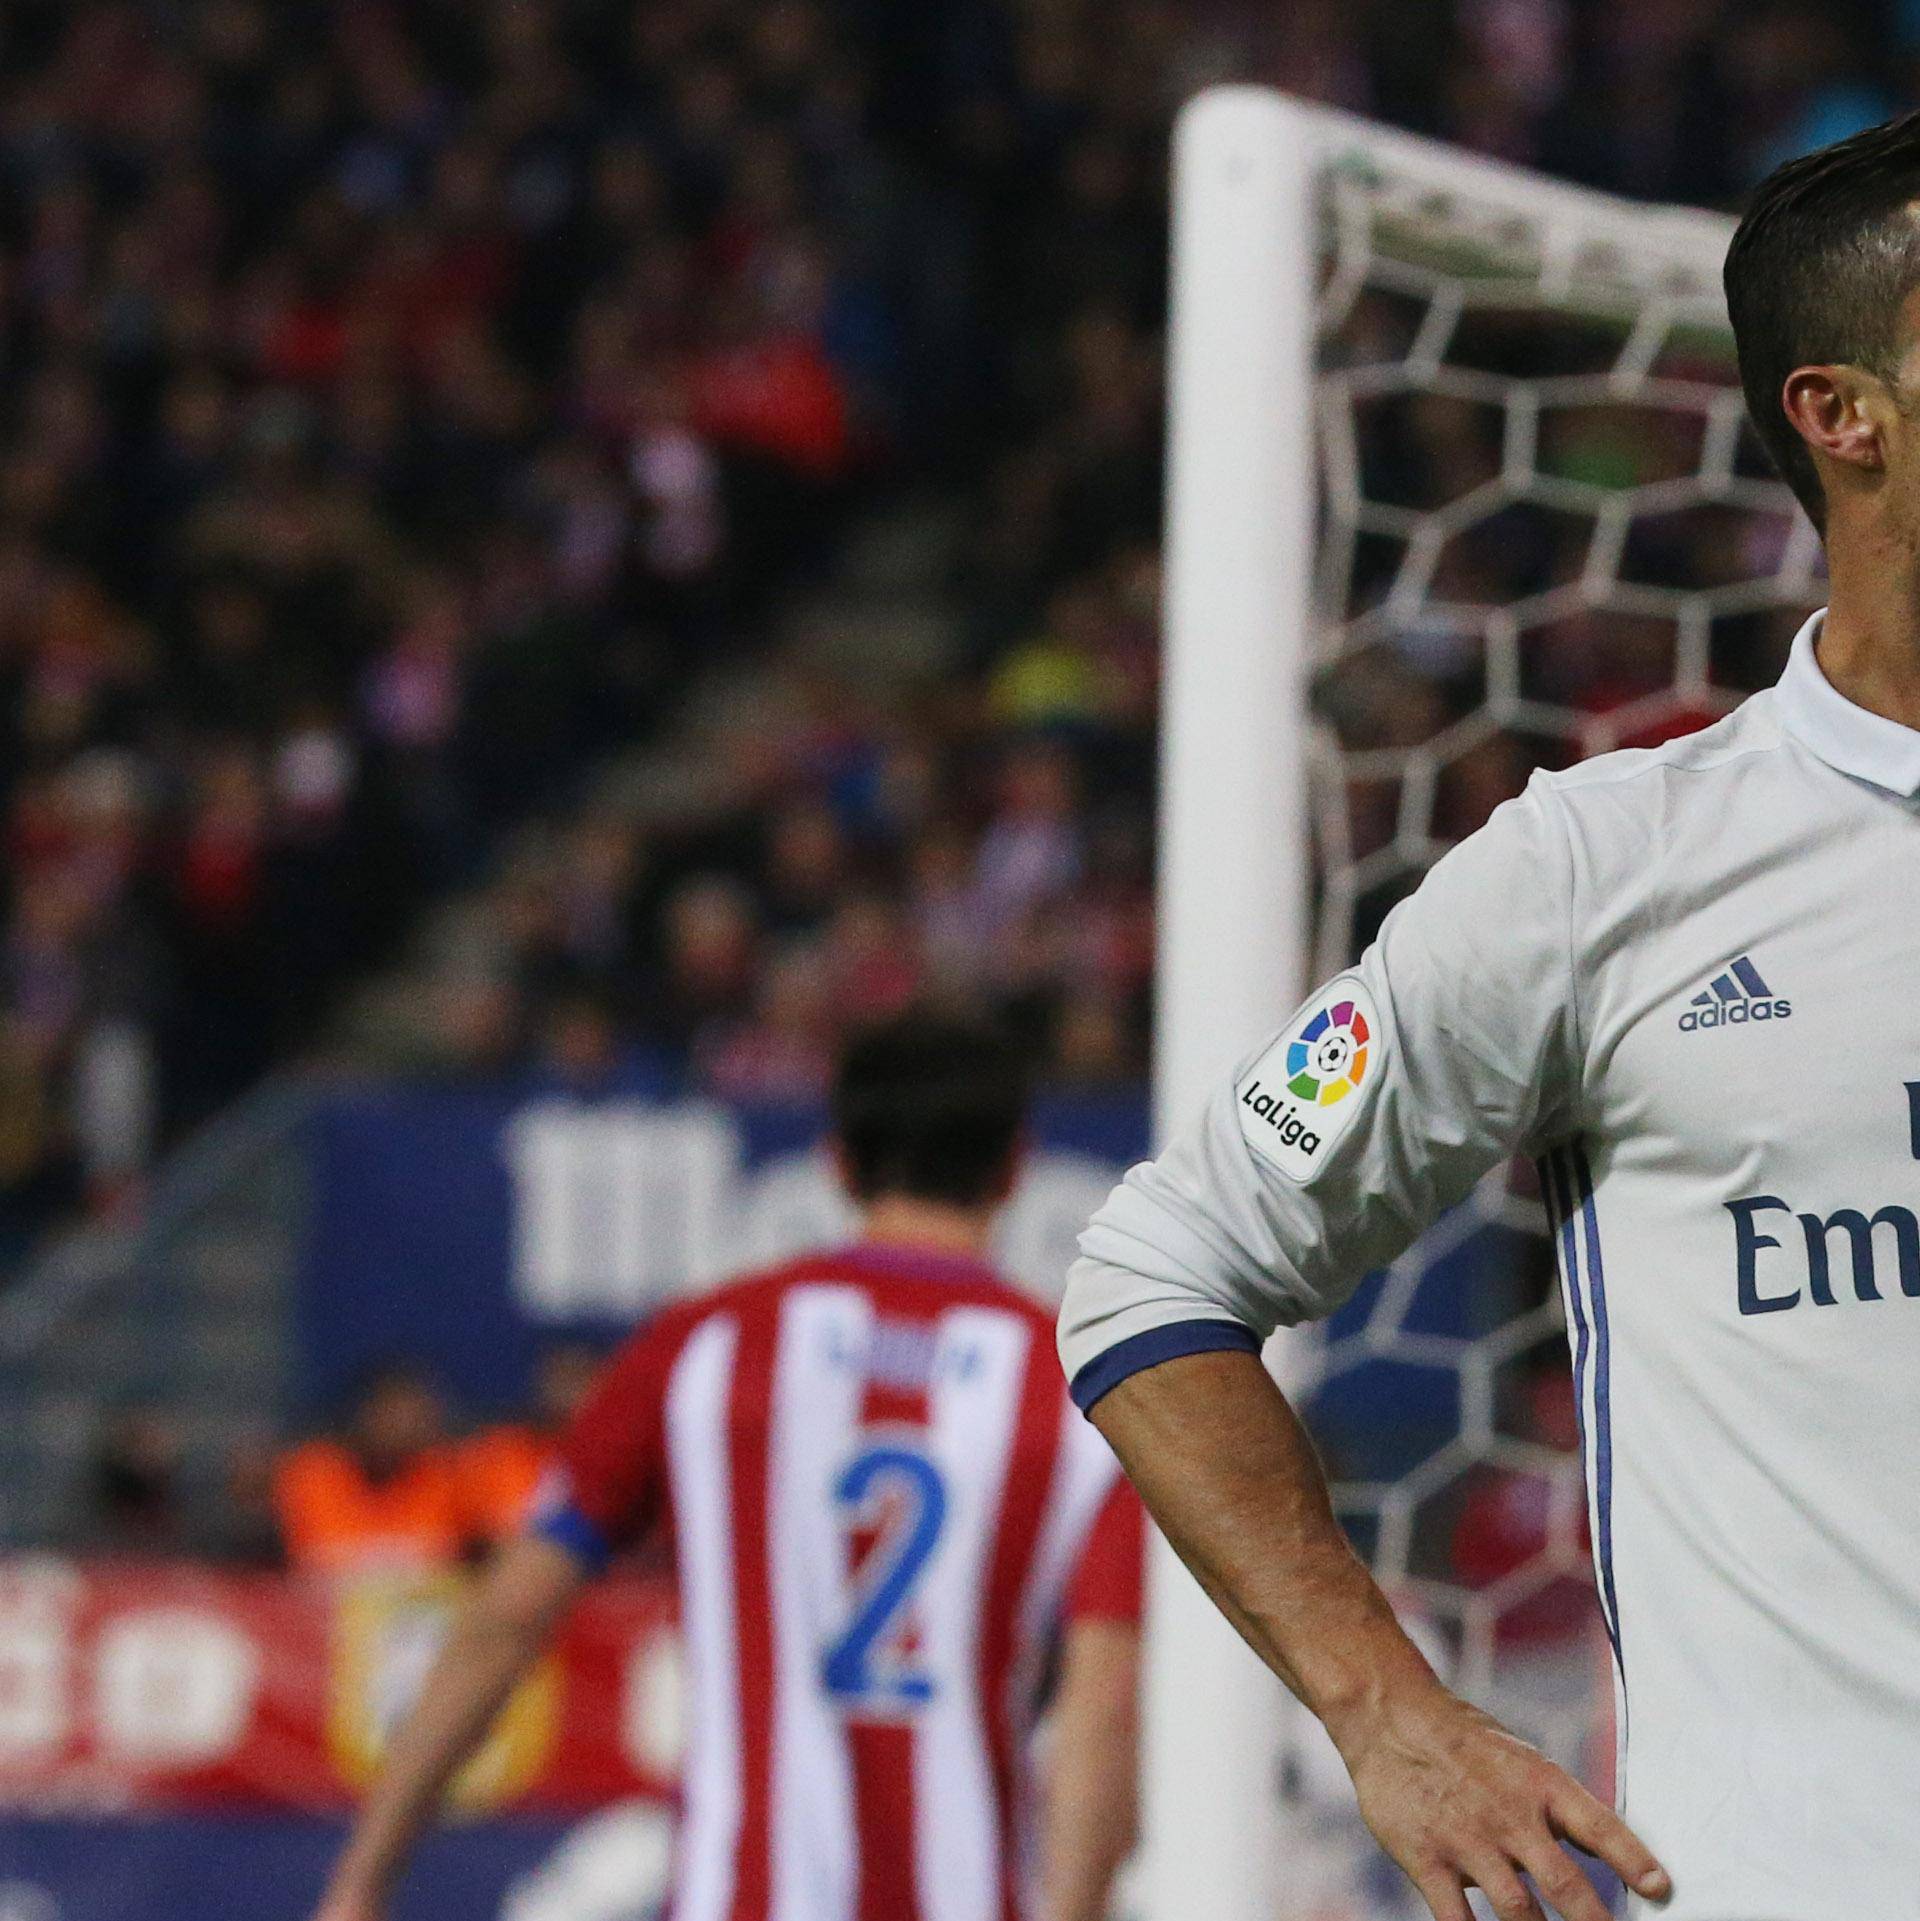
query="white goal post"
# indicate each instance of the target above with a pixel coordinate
(1288, 220)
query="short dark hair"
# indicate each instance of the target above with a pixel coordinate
(930, 1104)
(1816, 274)
(387, 1374)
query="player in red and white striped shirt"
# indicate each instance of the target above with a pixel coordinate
(889, 1520)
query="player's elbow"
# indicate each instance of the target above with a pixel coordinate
(524, 1594)
(1154, 1280)
(1117, 1322)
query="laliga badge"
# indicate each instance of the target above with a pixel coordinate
(1299, 1097)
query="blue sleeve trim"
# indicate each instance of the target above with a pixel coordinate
(1105, 1372)
(568, 1528)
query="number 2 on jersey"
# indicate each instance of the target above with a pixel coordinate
(864, 1666)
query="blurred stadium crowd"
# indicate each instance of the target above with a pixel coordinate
(399, 1486)
(642, 517)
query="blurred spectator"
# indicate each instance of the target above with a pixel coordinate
(415, 409)
(582, 1048)
(1095, 1044)
(1031, 852)
(783, 1049)
(476, 1018)
(135, 1485)
(501, 1467)
(873, 967)
(247, 1525)
(806, 868)
(711, 934)
(950, 919)
(385, 1495)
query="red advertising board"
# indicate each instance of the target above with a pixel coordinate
(150, 1686)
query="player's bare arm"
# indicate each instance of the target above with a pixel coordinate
(1457, 1801)
(499, 1637)
(1092, 1804)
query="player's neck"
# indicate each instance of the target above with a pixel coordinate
(1870, 641)
(899, 1220)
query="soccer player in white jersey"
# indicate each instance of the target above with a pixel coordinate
(890, 1524)
(1688, 981)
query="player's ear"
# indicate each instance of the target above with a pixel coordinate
(1840, 413)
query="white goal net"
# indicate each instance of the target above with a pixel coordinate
(1466, 451)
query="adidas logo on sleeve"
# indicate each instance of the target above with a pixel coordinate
(1734, 999)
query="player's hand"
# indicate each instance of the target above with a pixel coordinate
(1459, 1802)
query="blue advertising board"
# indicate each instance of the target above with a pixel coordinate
(462, 1228)
(255, 1868)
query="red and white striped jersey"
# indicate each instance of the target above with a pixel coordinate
(884, 1506)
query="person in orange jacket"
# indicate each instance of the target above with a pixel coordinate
(386, 1494)
(501, 1467)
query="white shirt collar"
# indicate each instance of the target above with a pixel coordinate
(1867, 745)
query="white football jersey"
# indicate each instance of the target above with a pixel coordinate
(1687, 979)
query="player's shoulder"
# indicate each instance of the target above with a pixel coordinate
(755, 1291)
(1608, 822)
(1639, 773)
(891, 1277)
(1611, 813)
